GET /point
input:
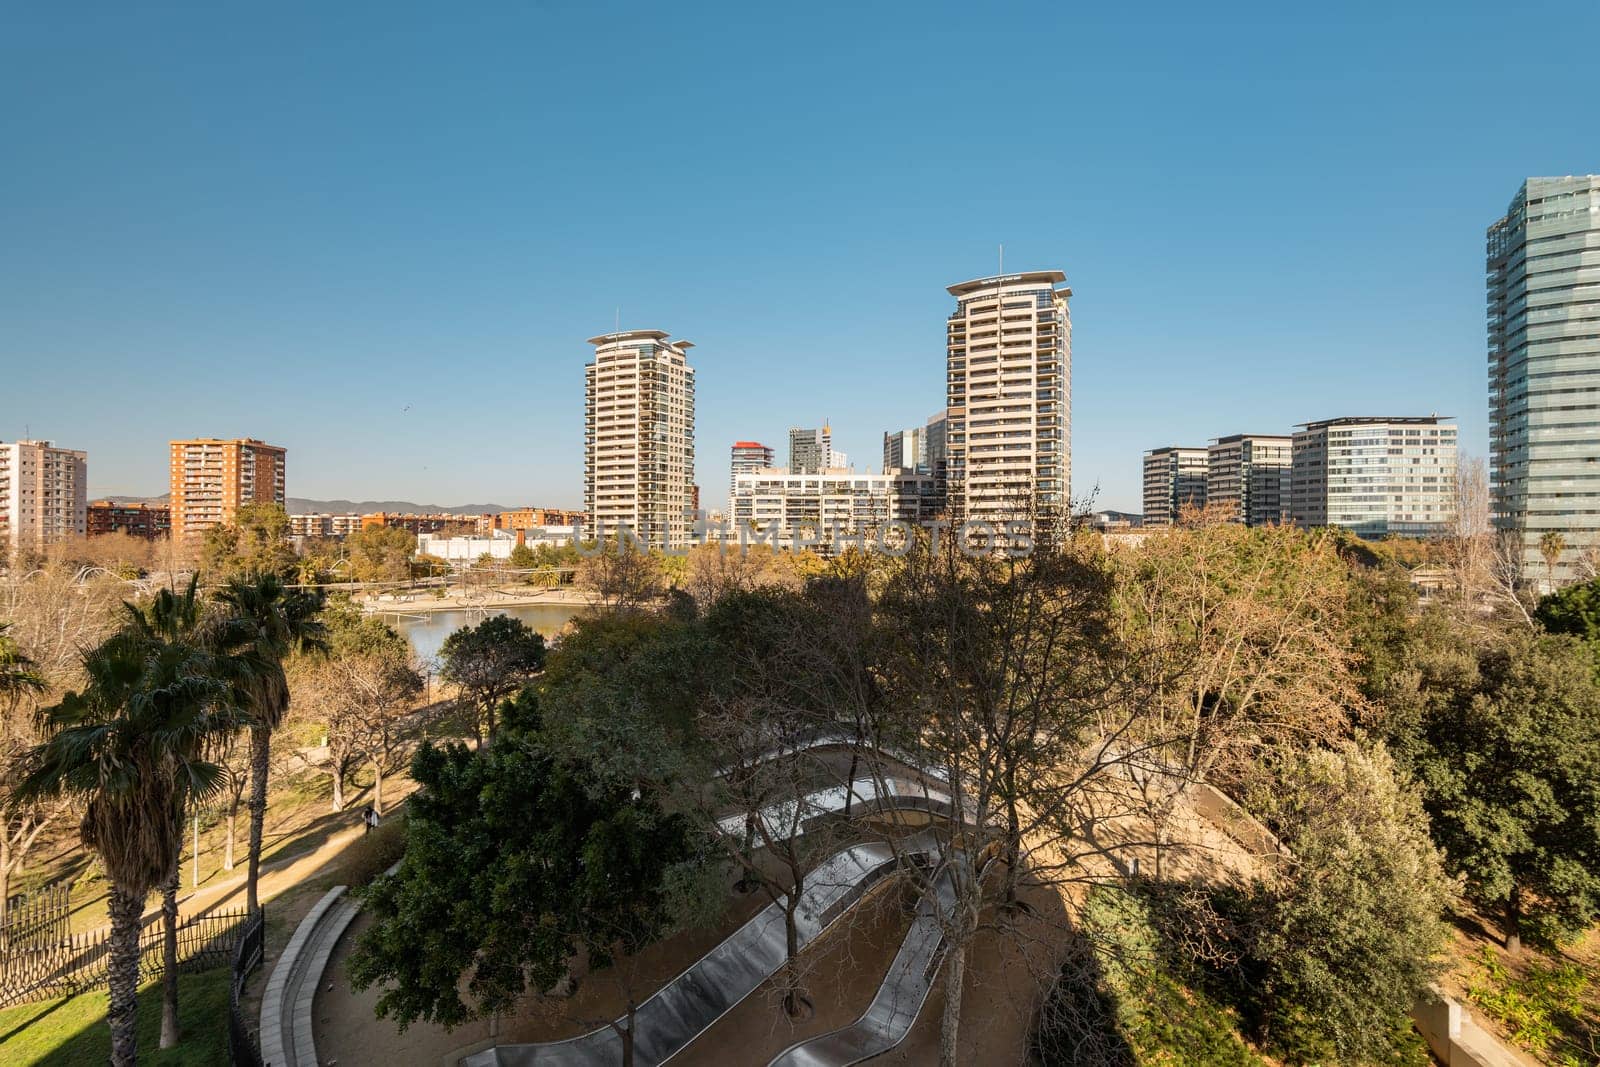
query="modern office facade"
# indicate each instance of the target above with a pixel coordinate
(744, 458)
(921, 450)
(1174, 478)
(1008, 373)
(818, 509)
(811, 450)
(638, 469)
(1543, 277)
(906, 450)
(211, 479)
(1375, 476)
(938, 447)
(1248, 478)
(43, 493)
(148, 521)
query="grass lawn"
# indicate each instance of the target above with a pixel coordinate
(72, 1031)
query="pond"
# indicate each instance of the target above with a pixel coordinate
(428, 632)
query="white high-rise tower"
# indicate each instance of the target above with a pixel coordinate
(638, 468)
(1009, 385)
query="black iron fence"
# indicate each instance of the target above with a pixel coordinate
(244, 1044)
(37, 919)
(75, 962)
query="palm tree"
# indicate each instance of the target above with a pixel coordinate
(278, 620)
(1551, 544)
(17, 675)
(127, 744)
(173, 618)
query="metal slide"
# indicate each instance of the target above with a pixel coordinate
(900, 997)
(688, 1005)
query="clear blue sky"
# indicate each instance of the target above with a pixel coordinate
(295, 222)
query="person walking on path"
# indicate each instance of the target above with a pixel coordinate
(369, 819)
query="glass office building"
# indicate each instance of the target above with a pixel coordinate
(1544, 368)
(1376, 476)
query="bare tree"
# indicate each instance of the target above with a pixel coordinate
(622, 574)
(1004, 680)
(760, 718)
(52, 614)
(381, 689)
(1506, 593)
(322, 700)
(234, 759)
(717, 569)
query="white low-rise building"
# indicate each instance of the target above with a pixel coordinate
(834, 504)
(466, 549)
(498, 545)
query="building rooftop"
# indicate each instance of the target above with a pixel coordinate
(1032, 277)
(1231, 438)
(1358, 420)
(638, 335)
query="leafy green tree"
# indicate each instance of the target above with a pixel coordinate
(17, 674)
(128, 745)
(257, 540)
(1573, 610)
(380, 553)
(516, 864)
(1346, 931)
(490, 662)
(275, 621)
(1511, 763)
(523, 558)
(622, 694)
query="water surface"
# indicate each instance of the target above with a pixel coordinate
(428, 631)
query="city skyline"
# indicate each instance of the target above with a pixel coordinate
(411, 265)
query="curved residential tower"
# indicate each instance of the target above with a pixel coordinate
(1009, 386)
(638, 459)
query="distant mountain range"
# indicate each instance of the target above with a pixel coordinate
(301, 506)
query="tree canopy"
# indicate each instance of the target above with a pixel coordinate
(1510, 755)
(517, 862)
(489, 662)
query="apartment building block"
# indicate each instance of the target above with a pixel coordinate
(212, 478)
(43, 493)
(1009, 392)
(1376, 476)
(638, 469)
(148, 521)
(1248, 478)
(1174, 478)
